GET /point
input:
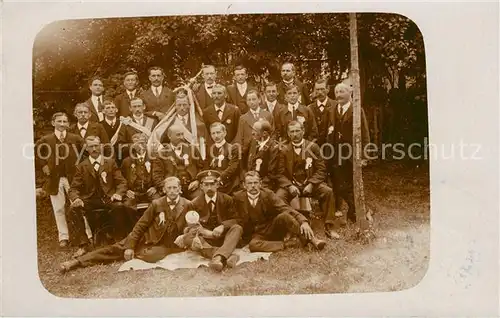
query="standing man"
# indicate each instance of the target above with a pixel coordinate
(97, 184)
(295, 111)
(267, 219)
(84, 127)
(321, 108)
(137, 170)
(179, 159)
(225, 158)
(204, 91)
(217, 214)
(112, 126)
(153, 235)
(131, 84)
(158, 98)
(289, 79)
(138, 122)
(271, 103)
(237, 92)
(263, 156)
(303, 173)
(225, 113)
(254, 115)
(95, 102)
(344, 147)
(57, 156)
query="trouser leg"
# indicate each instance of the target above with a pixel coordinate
(155, 253)
(104, 255)
(231, 239)
(271, 239)
(284, 195)
(59, 207)
(324, 194)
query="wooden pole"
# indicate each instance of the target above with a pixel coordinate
(359, 196)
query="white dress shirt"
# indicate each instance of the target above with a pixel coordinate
(242, 88)
(60, 134)
(344, 108)
(154, 90)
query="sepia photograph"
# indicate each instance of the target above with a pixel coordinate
(231, 155)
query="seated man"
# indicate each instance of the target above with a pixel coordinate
(153, 235)
(97, 184)
(225, 158)
(303, 173)
(263, 155)
(137, 170)
(178, 159)
(217, 214)
(267, 219)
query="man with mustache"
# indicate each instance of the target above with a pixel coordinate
(96, 100)
(267, 219)
(289, 79)
(153, 235)
(132, 89)
(97, 184)
(158, 98)
(204, 93)
(238, 91)
(111, 125)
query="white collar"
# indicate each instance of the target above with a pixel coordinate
(92, 160)
(208, 199)
(299, 144)
(209, 88)
(143, 156)
(345, 107)
(86, 125)
(293, 106)
(322, 103)
(221, 107)
(110, 121)
(288, 82)
(131, 92)
(170, 202)
(257, 111)
(272, 103)
(179, 147)
(139, 119)
(59, 133)
(96, 98)
(154, 88)
(263, 143)
(253, 197)
(181, 117)
(222, 143)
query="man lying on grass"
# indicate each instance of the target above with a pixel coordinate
(153, 235)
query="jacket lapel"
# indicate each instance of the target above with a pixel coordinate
(179, 208)
(289, 157)
(227, 112)
(90, 167)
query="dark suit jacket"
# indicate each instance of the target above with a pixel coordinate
(269, 167)
(73, 142)
(122, 102)
(126, 131)
(148, 230)
(270, 207)
(83, 186)
(203, 98)
(275, 111)
(315, 174)
(343, 132)
(224, 207)
(284, 117)
(130, 173)
(110, 131)
(229, 168)
(323, 119)
(230, 119)
(303, 91)
(235, 98)
(94, 117)
(245, 127)
(93, 129)
(161, 103)
(167, 163)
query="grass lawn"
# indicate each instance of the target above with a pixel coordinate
(397, 259)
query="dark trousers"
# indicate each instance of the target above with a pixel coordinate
(97, 212)
(322, 193)
(224, 246)
(344, 188)
(270, 239)
(112, 253)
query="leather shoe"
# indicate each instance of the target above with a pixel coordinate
(332, 234)
(216, 264)
(318, 244)
(63, 243)
(68, 265)
(232, 260)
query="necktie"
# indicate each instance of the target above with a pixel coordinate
(171, 204)
(131, 95)
(256, 115)
(157, 92)
(321, 107)
(99, 104)
(96, 166)
(212, 206)
(340, 111)
(61, 139)
(219, 113)
(253, 202)
(184, 121)
(83, 131)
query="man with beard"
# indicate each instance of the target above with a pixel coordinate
(131, 84)
(289, 79)
(297, 112)
(158, 98)
(204, 91)
(263, 155)
(238, 91)
(303, 173)
(220, 221)
(153, 235)
(95, 102)
(321, 109)
(224, 158)
(222, 112)
(97, 185)
(179, 159)
(344, 147)
(267, 219)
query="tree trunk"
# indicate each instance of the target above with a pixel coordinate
(359, 196)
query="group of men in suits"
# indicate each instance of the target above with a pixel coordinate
(260, 153)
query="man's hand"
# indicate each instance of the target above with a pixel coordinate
(151, 191)
(40, 192)
(308, 189)
(116, 197)
(77, 203)
(179, 241)
(130, 194)
(128, 254)
(160, 115)
(46, 170)
(193, 185)
(294, 191)
(217, 232)
(306, 231)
